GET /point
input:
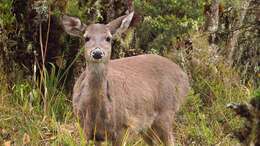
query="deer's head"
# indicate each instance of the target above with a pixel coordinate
(97, 37)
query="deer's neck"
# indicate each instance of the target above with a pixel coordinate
(101, 105)
(97, 83)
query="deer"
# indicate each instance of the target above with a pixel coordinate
(139, 94)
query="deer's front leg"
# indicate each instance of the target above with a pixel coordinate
(85, 122)
(87, 125)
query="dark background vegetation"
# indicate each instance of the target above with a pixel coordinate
(217, 42)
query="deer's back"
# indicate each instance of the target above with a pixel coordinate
(157, 72)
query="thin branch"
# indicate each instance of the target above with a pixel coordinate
(48, 32)
(41, 43)
(229, 31)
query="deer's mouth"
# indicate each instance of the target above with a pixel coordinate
(94, 60)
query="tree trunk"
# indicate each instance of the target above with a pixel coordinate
(233, 36)
(212, 19)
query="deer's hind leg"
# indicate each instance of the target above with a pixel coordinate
(162, 128)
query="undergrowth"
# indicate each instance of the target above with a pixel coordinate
(205, 119)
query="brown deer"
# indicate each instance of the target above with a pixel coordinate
(140, 94)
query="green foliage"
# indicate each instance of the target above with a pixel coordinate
(207, 121)
(46, 94)
(25, 95)
(86, 11)
(234, 3)
(203, 125)
(165, 20)
(74, 9)
(257, 95)
(6, 16)
(56, 99)
(246, 56)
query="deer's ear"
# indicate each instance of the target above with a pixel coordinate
(120, 24)
(73, 26)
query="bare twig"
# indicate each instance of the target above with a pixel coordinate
(48, 32)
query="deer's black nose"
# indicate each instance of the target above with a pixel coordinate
(97, 53)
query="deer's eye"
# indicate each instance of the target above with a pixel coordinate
(87, 39)
(108, 39)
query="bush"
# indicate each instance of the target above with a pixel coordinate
(164, 21)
